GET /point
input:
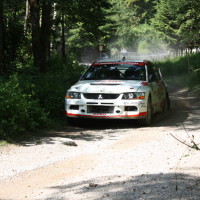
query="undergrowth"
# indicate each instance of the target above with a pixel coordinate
(30, 100)
(182, 71)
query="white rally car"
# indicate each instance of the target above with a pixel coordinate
(118, 89)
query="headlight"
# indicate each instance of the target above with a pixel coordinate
(73, 95)
(134, 95)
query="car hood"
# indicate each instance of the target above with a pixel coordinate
(108, 86)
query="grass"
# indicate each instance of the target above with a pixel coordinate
(182, 72)
(3, 143)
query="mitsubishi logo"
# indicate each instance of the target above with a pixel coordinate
(100, 97)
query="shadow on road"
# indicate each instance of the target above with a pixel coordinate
(88, 129)
(145, 186)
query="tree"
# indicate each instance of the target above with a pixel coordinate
(189, 20)
(2, 66)
(12, 33)
(83, 29)
(45, 32)
(128, 17)
(33, 28)
(35, 24)
(40, 32)
(178, 23)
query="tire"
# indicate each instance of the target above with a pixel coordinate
(148, 120)
(166, 105)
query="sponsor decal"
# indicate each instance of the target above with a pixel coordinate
(99, 114)
(139, 103)
(131, 103)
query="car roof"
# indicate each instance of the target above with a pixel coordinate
(123, 61)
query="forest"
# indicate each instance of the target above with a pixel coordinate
(43, 42)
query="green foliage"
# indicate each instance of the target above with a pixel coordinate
(178, 23)
(143, 47)
(179, 65)
(149, 41)
(19, 112)
(173, 67)
(3, 143)
(50, 88)
(13, 32)
(130, 17)
(32, 100)
(182, 71)
(194, 79)
(84, 22)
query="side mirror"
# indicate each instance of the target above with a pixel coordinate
(160, 73)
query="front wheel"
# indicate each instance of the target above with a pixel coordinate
(147, 121)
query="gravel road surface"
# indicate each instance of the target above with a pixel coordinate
(115, 160)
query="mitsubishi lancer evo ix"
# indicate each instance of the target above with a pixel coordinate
(118, 89)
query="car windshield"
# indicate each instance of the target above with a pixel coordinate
(115, 72)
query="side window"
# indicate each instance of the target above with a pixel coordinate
(151, 74)
(157, 75)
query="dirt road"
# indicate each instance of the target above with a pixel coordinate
(115, 160)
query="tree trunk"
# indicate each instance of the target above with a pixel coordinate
(63, 47)
(2, 65)
(63, 37)
(35, 22)
(27, 16)
(45, 33)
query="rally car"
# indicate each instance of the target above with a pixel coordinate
(118, 89)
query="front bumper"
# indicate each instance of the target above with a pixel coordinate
(106, 109)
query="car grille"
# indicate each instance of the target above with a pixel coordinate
(100, 96)
(100, 109)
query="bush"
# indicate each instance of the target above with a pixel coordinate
(175, 66)
(179, 65)
(30, 100)
(194, 83)
(194, 78)
(19, 112)
(50, 90)
(52, 86)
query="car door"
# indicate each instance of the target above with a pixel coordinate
(153, 80)
(161, 93)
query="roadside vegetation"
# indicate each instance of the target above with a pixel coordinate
(31, 101)
(183, 72)
(43, 42)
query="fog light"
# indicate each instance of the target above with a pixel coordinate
(130, 108)
(74, 107)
